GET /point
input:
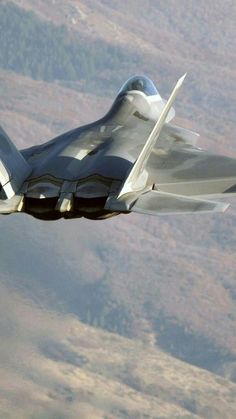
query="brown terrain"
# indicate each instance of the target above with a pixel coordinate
(167, 284)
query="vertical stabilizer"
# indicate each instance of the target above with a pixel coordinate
(13, 167)
(139, 165)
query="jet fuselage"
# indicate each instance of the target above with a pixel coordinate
(89, 163)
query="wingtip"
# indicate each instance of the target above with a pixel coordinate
(181, 80)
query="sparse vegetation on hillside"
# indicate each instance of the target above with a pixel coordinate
(60, 368)
(44, 51)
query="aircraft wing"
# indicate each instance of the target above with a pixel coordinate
(184, 179)
(190, 171)
(174, 165)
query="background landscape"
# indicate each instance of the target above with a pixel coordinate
(133, 317)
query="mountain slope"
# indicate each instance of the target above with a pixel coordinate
(61, 368)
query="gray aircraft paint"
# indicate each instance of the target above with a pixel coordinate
(133, 159)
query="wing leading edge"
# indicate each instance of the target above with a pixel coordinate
(137, 170)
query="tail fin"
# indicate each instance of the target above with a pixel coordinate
(139, 165)
(13, 167)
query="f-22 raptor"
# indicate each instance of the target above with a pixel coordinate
(131, 160)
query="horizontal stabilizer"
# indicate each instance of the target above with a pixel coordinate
(158, 203)
(13, 167)
(139, 165)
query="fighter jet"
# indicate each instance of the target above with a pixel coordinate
(131, 160)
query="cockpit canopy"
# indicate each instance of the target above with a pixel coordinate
(141, 83)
